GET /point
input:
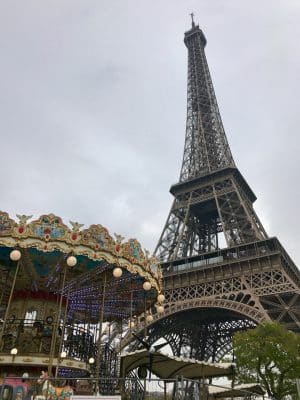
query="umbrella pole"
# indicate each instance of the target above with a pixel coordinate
(165, 390)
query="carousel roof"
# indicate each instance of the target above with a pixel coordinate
(45, 244)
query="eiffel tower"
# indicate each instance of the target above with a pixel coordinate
(222, 273)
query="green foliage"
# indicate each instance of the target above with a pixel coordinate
(269, 354)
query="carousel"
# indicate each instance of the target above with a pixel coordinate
(67, 296)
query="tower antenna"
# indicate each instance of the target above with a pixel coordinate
(192, 16)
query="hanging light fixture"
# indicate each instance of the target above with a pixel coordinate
(149, 318)
(160, 298)
(15, 255)
(63, 354)
(146, 285)
(71, 261)
(160, 309)
(117, 272)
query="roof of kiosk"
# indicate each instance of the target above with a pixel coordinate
(169, 367)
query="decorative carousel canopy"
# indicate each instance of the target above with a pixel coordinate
(94, 259)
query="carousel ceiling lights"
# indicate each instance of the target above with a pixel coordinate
(160, 309)
(149, 318)
(15, 255)
(146, 285)
(63, 354)
(117, 272)
(71, 261)
(160, 298)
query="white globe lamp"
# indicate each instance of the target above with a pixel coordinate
(15, 255)
(160, 309)
(117, 272)
(146, 285)
(71, 261)
(149, 318)
(160, 298)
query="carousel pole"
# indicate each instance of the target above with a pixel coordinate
(69, 262)
(15, 255)
(145, 310)
(3, 286)
(100, 334)
(131, 323)
(62, 335)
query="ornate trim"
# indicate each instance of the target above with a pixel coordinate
(49, 233)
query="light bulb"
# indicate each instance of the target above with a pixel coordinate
(160, 298)
(147, 285)
(160, 309)
(149, 318)
(71, 261)
(15, 255)
(117, 272)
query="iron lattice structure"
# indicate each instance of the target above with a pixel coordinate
(211, 196)
(213, 286)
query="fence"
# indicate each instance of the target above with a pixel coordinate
(31, 388)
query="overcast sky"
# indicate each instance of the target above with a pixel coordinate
(93, 106)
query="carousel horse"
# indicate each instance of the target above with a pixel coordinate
(65, 393)
(48, 390)
(51, 392)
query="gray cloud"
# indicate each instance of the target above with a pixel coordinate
(93, 97)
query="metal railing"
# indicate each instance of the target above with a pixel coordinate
(246, 251)
(35, 338)
(131, 388)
